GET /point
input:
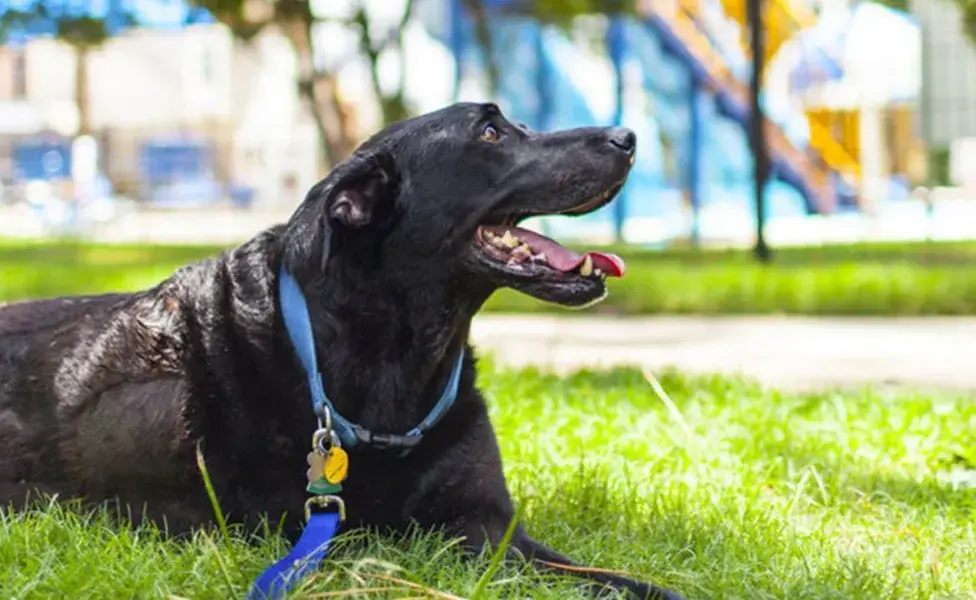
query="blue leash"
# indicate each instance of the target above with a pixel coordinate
(323, 525)
(309, 551)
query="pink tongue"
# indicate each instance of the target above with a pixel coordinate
(559, 257)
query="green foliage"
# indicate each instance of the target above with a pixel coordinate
(886, 279)
(739, 492)
(563, 11)
(232, 14)
(902, 5)
(968, 8)
(79, 30)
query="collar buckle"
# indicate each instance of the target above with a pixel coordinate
(388, 441)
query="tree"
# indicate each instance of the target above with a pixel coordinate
(317, 84)
(78, 29)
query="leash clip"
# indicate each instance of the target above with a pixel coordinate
(325, 502)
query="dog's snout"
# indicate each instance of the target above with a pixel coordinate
(624, 139)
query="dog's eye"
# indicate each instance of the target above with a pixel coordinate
(490, 134)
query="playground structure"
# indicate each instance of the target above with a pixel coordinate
(677, 73)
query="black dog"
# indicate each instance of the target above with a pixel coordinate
(107, 397)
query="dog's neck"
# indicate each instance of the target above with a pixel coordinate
(386, 343)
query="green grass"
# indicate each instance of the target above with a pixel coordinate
(878, 279)
(759, 495)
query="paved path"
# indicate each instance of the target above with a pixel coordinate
(788, 352)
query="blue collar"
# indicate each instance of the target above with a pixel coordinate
(299, 326)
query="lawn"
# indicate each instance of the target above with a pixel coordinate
(732, 491)
(877, 279)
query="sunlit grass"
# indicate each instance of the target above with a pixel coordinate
(760, 495)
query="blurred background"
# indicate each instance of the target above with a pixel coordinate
(162, 108)
(137, 135)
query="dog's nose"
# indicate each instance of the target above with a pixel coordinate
(624, 139)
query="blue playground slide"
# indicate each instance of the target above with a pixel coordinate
(690, 150)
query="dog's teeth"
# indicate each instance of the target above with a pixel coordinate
(586, 269)
(540, 257)
(510, 240)
(598, 272)
(632, 159)
(513, 264)
(522, 252)
(497, 241)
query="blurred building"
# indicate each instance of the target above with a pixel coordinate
(180, 114)
(948, 121)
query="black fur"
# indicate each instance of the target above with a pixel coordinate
(107, 397)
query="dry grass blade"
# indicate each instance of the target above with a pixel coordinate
(579, 569)
(429, 592)
(672, 408)
(355, 591)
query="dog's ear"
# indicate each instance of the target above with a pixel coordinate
(359, 193)
(364, 193)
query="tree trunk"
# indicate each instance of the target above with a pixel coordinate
(392, 106)
(81, 90)
(318, 91)
(482, 32)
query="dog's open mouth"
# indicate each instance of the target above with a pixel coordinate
(542, 267)
(521, 248)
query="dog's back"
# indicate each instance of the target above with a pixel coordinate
(36, 316)
(23, 323)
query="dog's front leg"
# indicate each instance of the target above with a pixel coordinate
(599, 581)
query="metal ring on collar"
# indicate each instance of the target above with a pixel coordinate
(323, 440)
(325, 502)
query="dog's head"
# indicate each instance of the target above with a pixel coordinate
(438, 197)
